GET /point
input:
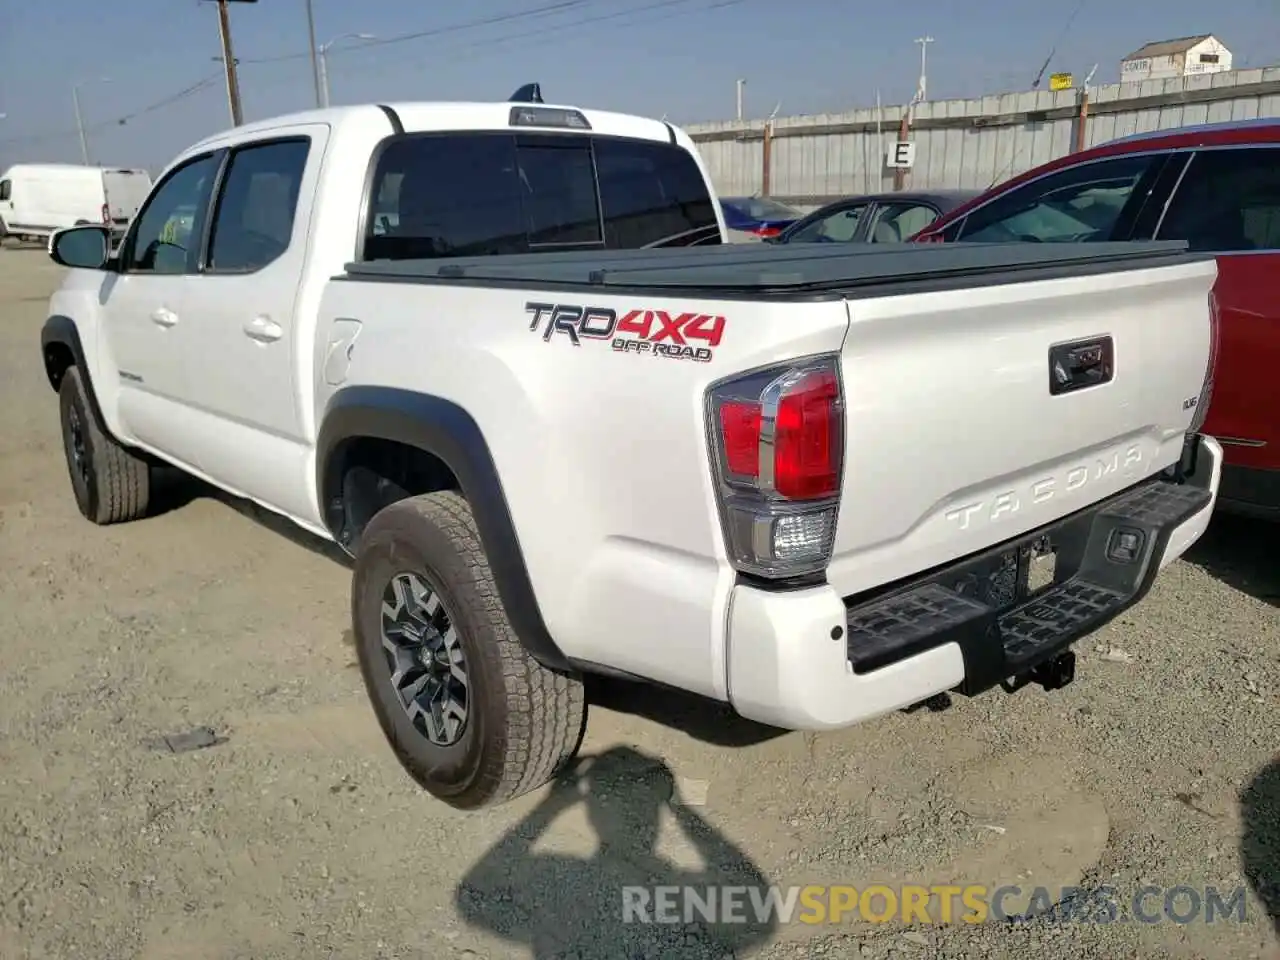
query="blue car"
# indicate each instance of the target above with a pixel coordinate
(757, 217)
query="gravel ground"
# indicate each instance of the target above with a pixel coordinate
(295, 834)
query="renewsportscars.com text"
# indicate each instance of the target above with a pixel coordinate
(938, 904)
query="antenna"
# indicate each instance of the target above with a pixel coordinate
(529, 93)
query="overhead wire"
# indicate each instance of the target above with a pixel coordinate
(545, 10)
(460, 52)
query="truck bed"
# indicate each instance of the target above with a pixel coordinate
(798, 272)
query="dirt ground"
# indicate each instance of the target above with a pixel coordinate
(296, 834)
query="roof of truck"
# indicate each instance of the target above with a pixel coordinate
(755, 269)
(425, 116)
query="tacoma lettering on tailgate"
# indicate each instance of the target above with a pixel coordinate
(656, 333)
(1006, 504)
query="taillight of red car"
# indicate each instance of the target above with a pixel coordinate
(1206, 392)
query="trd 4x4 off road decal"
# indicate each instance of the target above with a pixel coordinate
(658, 333)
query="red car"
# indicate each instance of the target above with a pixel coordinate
(1217, 186)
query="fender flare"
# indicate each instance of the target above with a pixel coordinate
(447, 431)
(61, 331)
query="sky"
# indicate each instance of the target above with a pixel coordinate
(154, 63)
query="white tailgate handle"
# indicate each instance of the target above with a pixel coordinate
(263, 329)
(164, 317)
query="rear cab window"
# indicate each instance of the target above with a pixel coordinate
(469, 194)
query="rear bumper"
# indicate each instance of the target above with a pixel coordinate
(1250, 492)
(808, 660)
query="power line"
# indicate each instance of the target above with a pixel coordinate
(122, 119)
(1053, 49)
(561, 6)
(559, 27)
(460, 51)
(552, 8)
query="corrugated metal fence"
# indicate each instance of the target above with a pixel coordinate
(966, 144)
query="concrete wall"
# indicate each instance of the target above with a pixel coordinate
(967, 144)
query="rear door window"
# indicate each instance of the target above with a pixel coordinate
(1087, 202)
(6, 190)
(257, 204)
(1228, 201)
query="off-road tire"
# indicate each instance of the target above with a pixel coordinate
(114, 485)
(524, 721)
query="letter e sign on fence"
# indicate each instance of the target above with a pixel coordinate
(901, 155)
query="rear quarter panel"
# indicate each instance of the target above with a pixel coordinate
(602, 454)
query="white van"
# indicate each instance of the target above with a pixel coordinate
(38, 198)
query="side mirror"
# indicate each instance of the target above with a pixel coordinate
(86, 248)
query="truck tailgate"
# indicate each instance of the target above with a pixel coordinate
(982, 411)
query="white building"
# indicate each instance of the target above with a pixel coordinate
(1180, 57)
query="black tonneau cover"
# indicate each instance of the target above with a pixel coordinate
(795, 269)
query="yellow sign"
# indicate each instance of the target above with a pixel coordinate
(1061, 81)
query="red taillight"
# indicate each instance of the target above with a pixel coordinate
(779, 435)
(807, 439)
(767, 231)
(740, 428)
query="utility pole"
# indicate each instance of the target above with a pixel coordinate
(75, 102)
(922, 90)
(84, 141)
(319, 73)
(741, 84)
(1082, 120)
(229, 60)
(323, 57)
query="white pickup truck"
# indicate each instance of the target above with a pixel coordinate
(819, 484)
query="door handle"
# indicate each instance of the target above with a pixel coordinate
(263, 329)
(164, 317)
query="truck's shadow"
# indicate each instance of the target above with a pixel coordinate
(172, 490)
(703, 719)
(556, 904)
(1260, 838)
(1241, 552)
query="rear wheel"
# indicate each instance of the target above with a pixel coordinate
(470, 715)
(111, 483)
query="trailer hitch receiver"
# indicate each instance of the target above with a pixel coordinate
(1056, 672)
